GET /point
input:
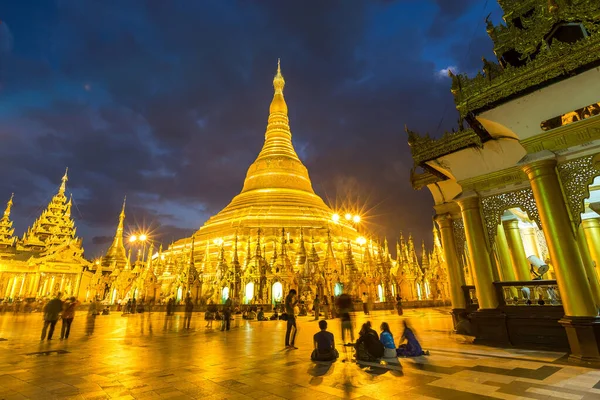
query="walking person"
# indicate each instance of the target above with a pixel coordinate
(210, 315)
(399, 304)
(189, 308)
(91, 318)
(344, 308)
(51, 313)
(292, 329)
(365, 303)
(317, 307)
(226, 315)
(67, 317)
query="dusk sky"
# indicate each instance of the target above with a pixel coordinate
(167, 102)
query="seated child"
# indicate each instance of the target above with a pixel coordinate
(324, 345)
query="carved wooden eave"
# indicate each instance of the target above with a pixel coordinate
(424, 148)
(421, 180)
(545, 64)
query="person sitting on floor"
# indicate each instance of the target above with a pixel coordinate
(411, 348)
(324, 345)
(387, 339)
(261, 315)
(251, 315)
(275, 316)
(368, 347)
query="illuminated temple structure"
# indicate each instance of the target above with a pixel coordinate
(48, 258)
(522, 180)
(275, 235)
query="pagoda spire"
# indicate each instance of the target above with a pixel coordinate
(116, 253)
(301, 251)
(235, 250)
(248, 253)
(6, 226)
(258, 254)
(63, 185)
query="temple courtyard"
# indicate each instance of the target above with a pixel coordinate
(146, 356)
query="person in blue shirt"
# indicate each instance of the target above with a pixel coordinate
(412, 347)
(387, 339)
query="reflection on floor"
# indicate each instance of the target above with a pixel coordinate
(150, 356)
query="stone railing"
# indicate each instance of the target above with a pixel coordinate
(528, 293)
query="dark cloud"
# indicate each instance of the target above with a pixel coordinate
(166, 102)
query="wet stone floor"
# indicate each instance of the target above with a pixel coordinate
(150, 356)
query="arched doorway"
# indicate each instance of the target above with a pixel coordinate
(381, 293)
(224, 294)
(249, 292)
(277, 292)
(338, 289)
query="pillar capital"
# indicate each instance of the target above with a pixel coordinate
(469, 201)
(539, 168)
(511, 223)
(443, 220)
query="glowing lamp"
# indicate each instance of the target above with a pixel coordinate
(132, 238)
(356, 219)
(361, 240)
(143, 237)
(218, 241)
(348, 216)
(335, 217)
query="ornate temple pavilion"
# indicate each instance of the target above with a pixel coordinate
(48, 258)
(275, 235)
(516, 191)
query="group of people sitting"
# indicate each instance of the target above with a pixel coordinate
(370, 346)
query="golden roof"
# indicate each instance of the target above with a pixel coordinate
(277, 191)
(116, 256)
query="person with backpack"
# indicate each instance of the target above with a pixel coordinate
(368, 347)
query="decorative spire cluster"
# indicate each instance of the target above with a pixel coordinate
(116, 256)
(6, 226)
(54, 226)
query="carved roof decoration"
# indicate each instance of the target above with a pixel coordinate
(530, 51)
(425, 148)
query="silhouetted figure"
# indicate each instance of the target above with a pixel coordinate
(317, 307)
(189, 308)
(344, 303)
(133, 306)
(291, 329)
(226, 325)
(368, 347)
(399, 304)
(210, 315)
(51, 313)
(91, 318)
(324, 345)
(67, 317)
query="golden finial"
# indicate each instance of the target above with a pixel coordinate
(9, 206)
(122, 215)
(65, 178)
(278, 81)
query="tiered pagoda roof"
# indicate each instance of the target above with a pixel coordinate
(116, 255)
(54, 226)
(6, 226)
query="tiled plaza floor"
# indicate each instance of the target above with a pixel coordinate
(141, 357)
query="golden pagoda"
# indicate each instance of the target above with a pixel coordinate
(116, 255)
(274, 212)
(48, 259)
(6, 226)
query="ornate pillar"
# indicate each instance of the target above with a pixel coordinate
(581, 321)
(506, 270)
(588, 263)
(591, 228)
(517, 251)
(456, 277)
(479, 255)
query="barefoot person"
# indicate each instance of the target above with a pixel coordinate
(324, 345)
(290, 333)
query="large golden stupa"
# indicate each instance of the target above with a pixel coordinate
(275, 235)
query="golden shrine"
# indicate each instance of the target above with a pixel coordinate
(48, 258)
(516, 193)
(275, 235)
